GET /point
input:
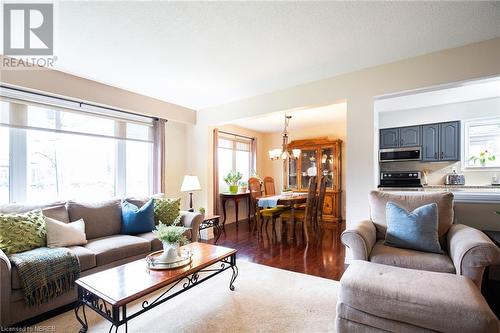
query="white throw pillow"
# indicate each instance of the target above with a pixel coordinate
(60, 234)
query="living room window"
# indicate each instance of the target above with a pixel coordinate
(52, 153)
(482, 143)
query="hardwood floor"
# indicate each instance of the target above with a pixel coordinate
(324, 258)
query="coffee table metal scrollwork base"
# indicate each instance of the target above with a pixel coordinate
(117, 313)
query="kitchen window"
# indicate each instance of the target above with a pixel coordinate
(50, 153)
(482, 143)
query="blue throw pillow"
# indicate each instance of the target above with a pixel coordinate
(135, 220)
(416, 230)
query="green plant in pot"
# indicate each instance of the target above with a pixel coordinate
(232, 179)
(484, 157)
(172, 237)
(202, 211)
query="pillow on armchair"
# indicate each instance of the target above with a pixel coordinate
(416, 230)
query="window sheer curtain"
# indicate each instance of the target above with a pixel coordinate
(159, 155)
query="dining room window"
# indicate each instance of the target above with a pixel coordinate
(235, 153)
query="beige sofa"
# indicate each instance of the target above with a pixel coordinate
(468, 251)
(106, 248)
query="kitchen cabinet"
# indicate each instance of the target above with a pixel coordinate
(318, 157)
(449, 141)
(409, 136)
(400, 137)
(441, 142)
(430, 143)
(389, 138)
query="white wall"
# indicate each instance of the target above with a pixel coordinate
(358, 89)
(448, 112)
(176, 161)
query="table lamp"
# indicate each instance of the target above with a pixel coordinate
(190, 184)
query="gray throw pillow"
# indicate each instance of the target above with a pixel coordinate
(416, 230)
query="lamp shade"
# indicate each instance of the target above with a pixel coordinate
(190, 183)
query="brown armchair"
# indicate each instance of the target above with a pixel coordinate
(468, 251)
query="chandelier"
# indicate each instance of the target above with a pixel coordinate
(283, 153)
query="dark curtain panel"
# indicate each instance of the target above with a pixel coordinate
(215, 207)
(159, 156)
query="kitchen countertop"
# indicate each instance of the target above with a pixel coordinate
(462, 193)
(494, 187)
(451, 188)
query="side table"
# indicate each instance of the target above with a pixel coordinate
(236, 197)
(211, 221)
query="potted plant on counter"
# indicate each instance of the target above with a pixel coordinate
(232, 179)
(483, 158)
(202, 211)
(172, 237)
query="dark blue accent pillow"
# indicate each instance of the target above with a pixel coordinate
(416, 230)
(135, 220)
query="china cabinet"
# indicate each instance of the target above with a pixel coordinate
(318, 157)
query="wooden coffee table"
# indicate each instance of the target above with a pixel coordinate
(108, 292)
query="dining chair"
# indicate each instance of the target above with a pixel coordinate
(269, 186)
(318, 219)
(261, 214)
(303, 215)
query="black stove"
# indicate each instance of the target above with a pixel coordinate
(400, 179)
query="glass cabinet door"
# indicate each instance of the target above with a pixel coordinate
(327, 166)
(308, 162)
(292, 174)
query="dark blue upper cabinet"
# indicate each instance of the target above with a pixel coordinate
(439, 142)
(389, 138)
(449, 141)
(430, 143)
(409, 136)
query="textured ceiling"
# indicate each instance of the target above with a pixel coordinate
(201, 54)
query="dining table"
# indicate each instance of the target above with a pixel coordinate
(289, 199)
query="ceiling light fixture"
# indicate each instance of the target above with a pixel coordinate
(283, 153)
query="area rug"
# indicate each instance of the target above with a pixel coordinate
(266, 299)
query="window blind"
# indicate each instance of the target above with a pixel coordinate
(28, 110)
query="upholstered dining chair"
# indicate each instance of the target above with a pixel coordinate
(263, 214)
(467, 251)
(269, 186)
(303, 215)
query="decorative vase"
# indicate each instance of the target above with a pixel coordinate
(171, 252)
(243, 189)
(233, 189)
(483, 163)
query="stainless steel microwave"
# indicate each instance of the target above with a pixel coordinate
(400, 154)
